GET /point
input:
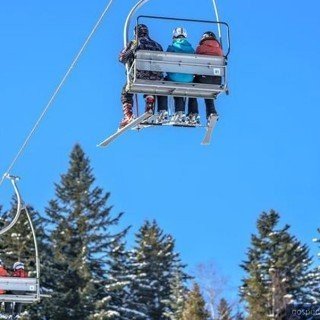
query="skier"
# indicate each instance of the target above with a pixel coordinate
(4, 273)
(208, 45)
(18, 271)
(180, 44)
(142, 41)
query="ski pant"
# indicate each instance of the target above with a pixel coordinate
(126, 97)
(17, 308)
(17, 305)
(179, 104)
(8, 307)
(193, 103)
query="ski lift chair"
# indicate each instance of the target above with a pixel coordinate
(179, 63)
(29, 287)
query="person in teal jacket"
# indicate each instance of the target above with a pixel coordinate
(180, 44)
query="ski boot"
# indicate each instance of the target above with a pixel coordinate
(211, 117)
(162, 116)
(178, 118)
(127, 115)
(150, 101)
(193, 119)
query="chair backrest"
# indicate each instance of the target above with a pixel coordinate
(180, 63)
(18, 284)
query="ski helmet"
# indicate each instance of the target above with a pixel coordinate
(1, 262)
(18, 265)
(208, 35)
(141, 30)
(179, 33)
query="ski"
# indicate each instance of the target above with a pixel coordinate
(130, 125)
(146, 123)
(212, 121)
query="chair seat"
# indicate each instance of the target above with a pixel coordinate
(177, 89)
(18, 284)
(27, 298)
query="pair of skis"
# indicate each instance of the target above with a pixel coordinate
(144, 117)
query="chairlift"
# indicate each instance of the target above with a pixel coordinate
(174, 62)
(21, 290)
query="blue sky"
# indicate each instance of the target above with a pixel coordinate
(265, 151)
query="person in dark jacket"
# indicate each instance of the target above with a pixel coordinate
(180, 44)
(142, 41)
(208, 45)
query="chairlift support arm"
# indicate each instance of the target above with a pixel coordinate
(13, 181)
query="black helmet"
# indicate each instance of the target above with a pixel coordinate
(141, 30)
(208, 35)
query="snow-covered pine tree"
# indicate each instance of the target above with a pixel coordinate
(154, 263)
(224, 310)
(194, 308)
(81, 238)
(315, 274)
(239, 316)
(178, 294)
(115, 304)
(277, 265)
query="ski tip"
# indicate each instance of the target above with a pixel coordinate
(100, 145)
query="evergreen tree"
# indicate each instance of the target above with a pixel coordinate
(224, 310)
(194, 308)
(277, 266)
(115, 305)
(315, 276)
(154, 263)
(239, 316)
(81, 238)
(177, 296)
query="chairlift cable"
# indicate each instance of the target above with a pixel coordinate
(55, 93)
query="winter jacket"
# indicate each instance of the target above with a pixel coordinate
(20, 273)
(3, 273)
(210, 47)
(180, 45)
(143, 43)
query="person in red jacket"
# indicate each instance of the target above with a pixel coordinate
(208, 45)
(4, 273)
(18, 271)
